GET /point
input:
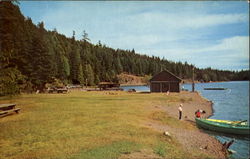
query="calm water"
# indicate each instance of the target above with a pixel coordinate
(137, 88)
(229, 104)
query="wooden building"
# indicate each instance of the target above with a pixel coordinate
(165, 81)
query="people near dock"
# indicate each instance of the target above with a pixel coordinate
(180, 111)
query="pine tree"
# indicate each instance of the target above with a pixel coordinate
(85, 36)
(89, 74)
(118, 65)
(10, 76)
(42, 63)
(75, 61)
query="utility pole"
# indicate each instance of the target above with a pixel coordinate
(86, 81)
(193, 81)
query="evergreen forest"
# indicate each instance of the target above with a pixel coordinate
(32, 56)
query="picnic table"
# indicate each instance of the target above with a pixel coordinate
(57, 90)
(8, 108)
(62, 90)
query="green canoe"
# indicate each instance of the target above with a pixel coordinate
(234, 127)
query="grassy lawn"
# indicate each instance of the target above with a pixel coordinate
(82, 125)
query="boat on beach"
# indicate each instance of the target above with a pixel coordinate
(224, 126)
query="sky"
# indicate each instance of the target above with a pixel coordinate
(203, 33)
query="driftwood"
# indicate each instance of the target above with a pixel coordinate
(226, 145)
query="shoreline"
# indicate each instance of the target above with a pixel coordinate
(195, 82)
(210, 106)
(191, 101)
(193, 139)
(136, 84)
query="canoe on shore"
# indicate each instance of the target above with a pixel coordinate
(215, 88)
(224, 126)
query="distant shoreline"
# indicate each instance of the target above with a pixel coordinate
(185, 82)
(136, 84)
(190, 82)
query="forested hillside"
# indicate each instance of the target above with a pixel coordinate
(32, 56)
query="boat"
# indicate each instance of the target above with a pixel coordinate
(215, 88)
(244, 122)
(224, 126)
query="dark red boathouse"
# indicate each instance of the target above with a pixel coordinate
(165, 81)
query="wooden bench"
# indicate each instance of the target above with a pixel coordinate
(8, 108)
(57, 90)
(9, 111)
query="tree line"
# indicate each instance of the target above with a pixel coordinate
(32, 56)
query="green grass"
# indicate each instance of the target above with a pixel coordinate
(164, 118)
(112, 150)
(81, 125)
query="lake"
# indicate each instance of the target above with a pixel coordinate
(229, 104)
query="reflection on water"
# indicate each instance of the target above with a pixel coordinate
(137, 88)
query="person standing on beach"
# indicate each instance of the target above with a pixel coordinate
(180, 111)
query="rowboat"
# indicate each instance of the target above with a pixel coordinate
(224, 126)
(244, 122)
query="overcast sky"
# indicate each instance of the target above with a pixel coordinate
(207, 34)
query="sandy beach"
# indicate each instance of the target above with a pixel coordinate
(192, 139)
(193, 102)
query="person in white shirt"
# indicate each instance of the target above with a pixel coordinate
(180, 111)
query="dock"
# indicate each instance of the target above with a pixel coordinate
(215, 88)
